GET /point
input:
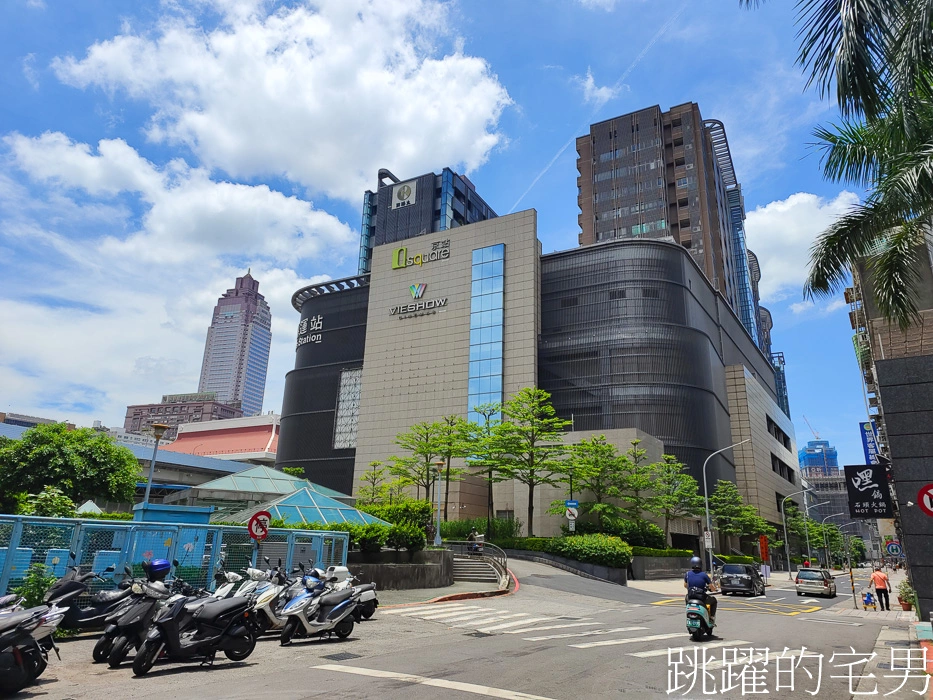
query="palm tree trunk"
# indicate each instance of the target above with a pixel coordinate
(531, 509)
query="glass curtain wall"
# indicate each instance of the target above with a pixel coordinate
(486, 321)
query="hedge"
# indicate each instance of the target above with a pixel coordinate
(638, 533)
(502, 528)
(734, 559)
(371, 537)
(407, 512)
(650, 552)
(604, 550)
(106, 516)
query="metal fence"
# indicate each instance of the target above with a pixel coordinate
(200, 549)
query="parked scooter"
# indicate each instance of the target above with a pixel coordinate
(127, 627)
(268, 609)
(699, 622)
(64, 593)
(216, 625)
(319, 610)
(25, 638)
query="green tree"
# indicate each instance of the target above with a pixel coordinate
(454, 440)
(373, 490)
(594, 466)
(50, 503)
(636, 481)
(423, 441)
(294, 471)
(733, 516)
(675, 494)
(878, 54)
(483, 453)
(529, 442)
(82, 463)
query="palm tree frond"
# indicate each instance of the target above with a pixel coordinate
(851, 152)
(912, 52)
(895, 275)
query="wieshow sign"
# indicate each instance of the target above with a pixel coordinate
(419, 308)
(440, 250)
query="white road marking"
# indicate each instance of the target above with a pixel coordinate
(631, 640)
(441, 616)
(472, 616)
(475, 623)
(514, 624)
(486, 690)
(709, 645)
(777, 599)
(588, 633)
(832, 622)
(433, 606)
(553, 627)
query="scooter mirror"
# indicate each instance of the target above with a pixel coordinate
(73, 555)
(266, 559)
(175, 563)
(127, 570)
(301, 565)
(110, 569)
(280, 562)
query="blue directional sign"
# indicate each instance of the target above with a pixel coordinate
(572, 504)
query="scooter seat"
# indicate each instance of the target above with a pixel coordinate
(212, 610)
(7, 600)
(11, 620)
(335, 598)
(110, 596)
(365, 587)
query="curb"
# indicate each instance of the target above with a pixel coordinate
(472, 595)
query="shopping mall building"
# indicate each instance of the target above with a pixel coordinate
(455, 306)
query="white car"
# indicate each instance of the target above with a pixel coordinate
(815, 582)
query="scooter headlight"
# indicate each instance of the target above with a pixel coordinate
(137, 589)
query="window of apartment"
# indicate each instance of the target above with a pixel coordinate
(778, 434)
(678, 142)
(682, 202)
(679, 162)
(676, 122)
(685, 223)
(617, 294)
(681, 182)
(650, 293)
(779, 467)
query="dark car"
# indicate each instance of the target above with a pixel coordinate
(741, 578)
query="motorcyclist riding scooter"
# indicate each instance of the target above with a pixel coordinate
(701, 605)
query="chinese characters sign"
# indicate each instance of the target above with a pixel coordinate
(404, 194)
(308, 330)
(869, 442)
(869, 495)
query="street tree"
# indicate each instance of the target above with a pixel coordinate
(454, 440)
(423, 442)
(675, 494)
(636, 481)
(593, 466)
(373, 489)
(482, 454)
(733, 516)
(529, 443)
(84, 464)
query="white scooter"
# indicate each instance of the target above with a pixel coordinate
(320, 610)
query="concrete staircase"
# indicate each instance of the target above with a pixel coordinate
(474, 569)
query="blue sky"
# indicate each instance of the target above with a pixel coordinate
(150, 152)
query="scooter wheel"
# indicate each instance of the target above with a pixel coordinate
(241, 652)
(146, 658)
(369, 610)
(102, 649)
(696, 636)
(35, 661)
(344, 628)
(121, 647)
(288, 631)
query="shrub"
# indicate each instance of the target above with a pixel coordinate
(108, 516)
(734, 559)
(51, 502)
(533, 544)
(650, 552)
(370, 538)
(406, 536)
(411, 512)
(604, 550)
(638, 533)
(502, 528)
(36, 582)
(906, 592)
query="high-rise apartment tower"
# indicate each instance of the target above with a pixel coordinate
(236, 354)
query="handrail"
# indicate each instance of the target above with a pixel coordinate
(485, 550)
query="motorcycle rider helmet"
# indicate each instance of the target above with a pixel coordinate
(696, 564)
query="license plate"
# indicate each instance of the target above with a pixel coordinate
(693, 623)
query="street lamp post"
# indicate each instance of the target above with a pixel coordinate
(806, 521)
(849, 561)
(784, 521)
(437, 532)
(825, 541)
(158, 429)
(709, 522)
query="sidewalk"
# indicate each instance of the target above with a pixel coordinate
(426, 595)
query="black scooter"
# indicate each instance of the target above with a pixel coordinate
(127, 626)
(22, 657)
(217, 625)
(66, 590)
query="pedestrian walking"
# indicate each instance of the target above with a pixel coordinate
(880, 581)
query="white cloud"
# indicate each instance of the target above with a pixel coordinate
(323, 93)
(594, 94)
(781, 234)
(29, 70)
(187, 215)
(607, 5)
(36, 4)
(808, 307)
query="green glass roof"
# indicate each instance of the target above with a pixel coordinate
(307, 506)
(262, 479)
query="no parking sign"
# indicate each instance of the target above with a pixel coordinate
(258, 525)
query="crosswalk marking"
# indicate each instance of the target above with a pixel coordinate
(553, 627)
(441, 616)
(515, 623)
(474, 623)
(673, 650)
(471, 616)
(630, 640)
(423, 608)
(588, 633)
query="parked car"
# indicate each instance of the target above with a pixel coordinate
(741, 578)
(815, 582)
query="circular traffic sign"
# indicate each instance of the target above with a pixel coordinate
(925, 499)
(571, 513)
(258, 525)
(894, 549)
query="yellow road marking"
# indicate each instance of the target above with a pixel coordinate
(765, 608)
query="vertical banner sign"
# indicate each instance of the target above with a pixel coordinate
(869, 442)
(867, 488)
(763, 546)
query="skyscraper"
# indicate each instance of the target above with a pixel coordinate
(236, 354)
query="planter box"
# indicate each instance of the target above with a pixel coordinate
(652, 568)
(400, 571)
(603, 573)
